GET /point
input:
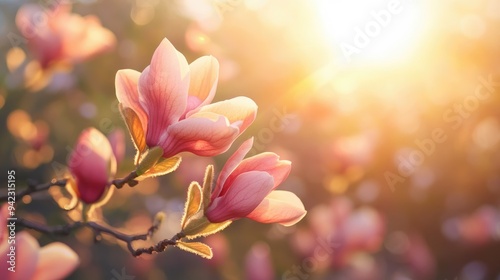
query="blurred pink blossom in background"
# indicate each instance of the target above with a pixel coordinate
(53, 261)
(58, 36)
(478, 228)
(345, 230)
(92, 163)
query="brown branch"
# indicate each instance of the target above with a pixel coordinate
(33, 188)
(160, 246)
(99, 230)
(54, 230)
(129, 179)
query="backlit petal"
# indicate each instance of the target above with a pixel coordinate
(247, 192)
(268, 162)
(204, 75)
(279, 207)
(231, 164)
(163, 91)
(27, 255)
(56, 261)
(127, 92)
(209, 135)
(240, 110)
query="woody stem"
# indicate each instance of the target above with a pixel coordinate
(129, 179)
(33, 188)
(99, 230)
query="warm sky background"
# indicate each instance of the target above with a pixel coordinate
(388, 110)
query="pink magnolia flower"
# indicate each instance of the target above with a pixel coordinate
(246, 188)
(56, 35)
(172, 101)
(53, 261)
(477, 228)
(339, 230)
(92, 163)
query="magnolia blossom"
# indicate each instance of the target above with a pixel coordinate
(57, 35)
(477, 228)
(53, 261)
(246, 188)
(92, 163)
(172, 101)
(339, 230)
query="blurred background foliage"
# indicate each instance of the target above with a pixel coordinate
(349, 123)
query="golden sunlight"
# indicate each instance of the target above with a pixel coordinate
(372, 31)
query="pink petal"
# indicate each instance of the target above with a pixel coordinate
(203, 135)
(364, 229)
(268, 162)
(127, 93)
(204, 75)
(247, 192)
(163, 91)
(84, 37)
(231, 164)
(56, 261)
(90, 164)
(239, 110)
(25, 261)
(42, 40)
(279, 207)
(193, 102)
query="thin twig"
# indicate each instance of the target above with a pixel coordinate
(160, 246)
(129, 179)
(53, 230)
(99, 230)
(33, 188)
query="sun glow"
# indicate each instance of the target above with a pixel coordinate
(372, 31)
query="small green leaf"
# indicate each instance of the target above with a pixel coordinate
(193, 203)
(203, 227)
(198, 248)
(135, 129)
(162, 167)
(207, 186)
(149, 160)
